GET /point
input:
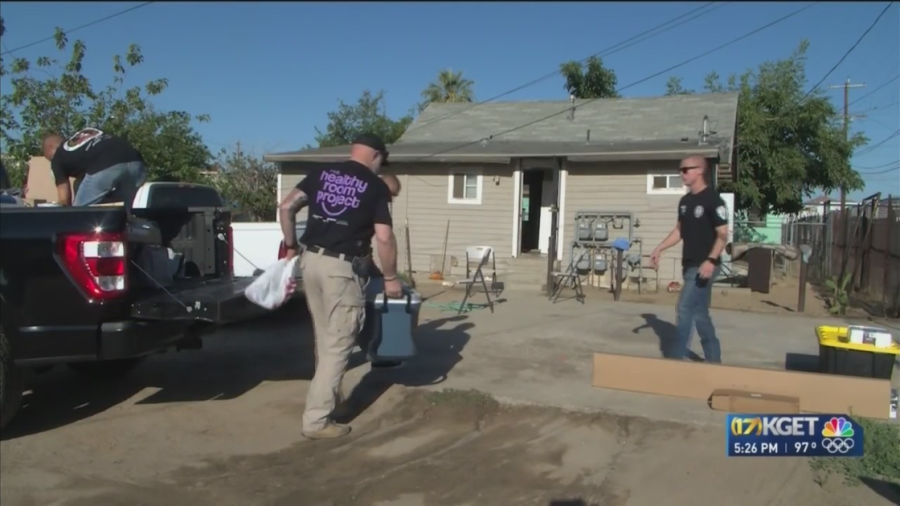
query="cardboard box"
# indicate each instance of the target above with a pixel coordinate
(41, 184)
(818, 393)
(740, 401)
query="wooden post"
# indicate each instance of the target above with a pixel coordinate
(801, 297)
(618, 286)
(886, 252)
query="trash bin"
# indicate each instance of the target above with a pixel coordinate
(387, 333)
(837, 355)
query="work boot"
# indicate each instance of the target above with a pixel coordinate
(331, 431)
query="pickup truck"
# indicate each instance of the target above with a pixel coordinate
(73, 290)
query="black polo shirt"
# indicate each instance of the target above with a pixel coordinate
(698, 215)
(88, 152)
(346, 200)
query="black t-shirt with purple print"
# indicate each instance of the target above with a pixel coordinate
(346, 200)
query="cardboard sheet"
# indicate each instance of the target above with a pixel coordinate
(818, 393)
(740, 401)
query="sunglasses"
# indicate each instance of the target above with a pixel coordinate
(684, 170)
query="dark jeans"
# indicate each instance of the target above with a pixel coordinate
(693, 311)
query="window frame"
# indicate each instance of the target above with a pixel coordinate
(664, 191)
(466, 173)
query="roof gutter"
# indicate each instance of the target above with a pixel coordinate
(635, 156)
(504, 158)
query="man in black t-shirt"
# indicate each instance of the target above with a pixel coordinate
(348, 205)
(110, 167)
(703, 226)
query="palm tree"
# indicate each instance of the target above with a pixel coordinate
(449, 86)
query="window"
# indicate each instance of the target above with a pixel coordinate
(665, 184)
(464, 188)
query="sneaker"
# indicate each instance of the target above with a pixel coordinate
(331, 431)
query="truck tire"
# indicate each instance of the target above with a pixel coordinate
(10, 383)
(106, 369)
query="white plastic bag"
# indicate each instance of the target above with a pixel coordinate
(270, 289)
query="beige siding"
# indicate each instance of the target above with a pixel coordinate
(623, 187)
(423, 201)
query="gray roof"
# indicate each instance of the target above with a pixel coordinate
(499, 151)
(623, 119)
(661, 128)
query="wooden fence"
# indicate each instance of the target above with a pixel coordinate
(869, 253)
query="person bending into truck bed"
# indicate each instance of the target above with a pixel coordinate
(112, 169)
(348, 205)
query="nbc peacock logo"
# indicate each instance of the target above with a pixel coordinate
(838, 436)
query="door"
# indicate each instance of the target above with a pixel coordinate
(548, 198)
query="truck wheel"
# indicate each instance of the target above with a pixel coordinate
(10, 383)
(106, 369)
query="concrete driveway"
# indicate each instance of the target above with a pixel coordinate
(221, 426)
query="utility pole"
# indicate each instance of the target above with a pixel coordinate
(845, 226)
(238, 151)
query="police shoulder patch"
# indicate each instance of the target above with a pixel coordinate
(722, 212)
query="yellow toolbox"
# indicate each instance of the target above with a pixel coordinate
(838, 355)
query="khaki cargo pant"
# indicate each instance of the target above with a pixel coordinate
(336, 301)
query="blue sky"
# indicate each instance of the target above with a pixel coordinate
(268, 73)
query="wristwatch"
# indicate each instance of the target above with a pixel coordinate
(714, 261)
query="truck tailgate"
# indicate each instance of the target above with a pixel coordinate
(219, 301)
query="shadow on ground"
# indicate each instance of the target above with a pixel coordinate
(667, 334)
(439, 346)
(887, 490)
(235, 360)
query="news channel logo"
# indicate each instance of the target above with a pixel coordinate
(751, 435)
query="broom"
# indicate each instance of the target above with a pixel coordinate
(438, 276)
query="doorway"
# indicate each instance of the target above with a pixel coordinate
(537, 197)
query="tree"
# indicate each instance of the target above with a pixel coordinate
(367, 115)
(590, 80)
(249, 183)
(449, 86)
(788, 146)
(673, 87)
(49, 96)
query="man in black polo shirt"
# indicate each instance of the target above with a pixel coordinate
(348, 205)
(112, 169)
(703, 226)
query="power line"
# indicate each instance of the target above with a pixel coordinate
(876, 89)
(871, 148)
(877, 107)
(602, 53)
(635, 83)
(136, 7)
(838, 64)
(878, 166)
(892, 169)
(885, 125)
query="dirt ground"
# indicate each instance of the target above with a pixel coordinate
(222, 427)
(781, 299)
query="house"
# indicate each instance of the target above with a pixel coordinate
(494, 171)
(822, 205)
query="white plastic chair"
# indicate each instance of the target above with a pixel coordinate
(478, 256)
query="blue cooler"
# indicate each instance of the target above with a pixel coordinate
(388, 331)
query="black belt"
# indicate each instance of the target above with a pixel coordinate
(333, 254)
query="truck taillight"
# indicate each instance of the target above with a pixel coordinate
(230, 249)
(96, 262)
(282, 251)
